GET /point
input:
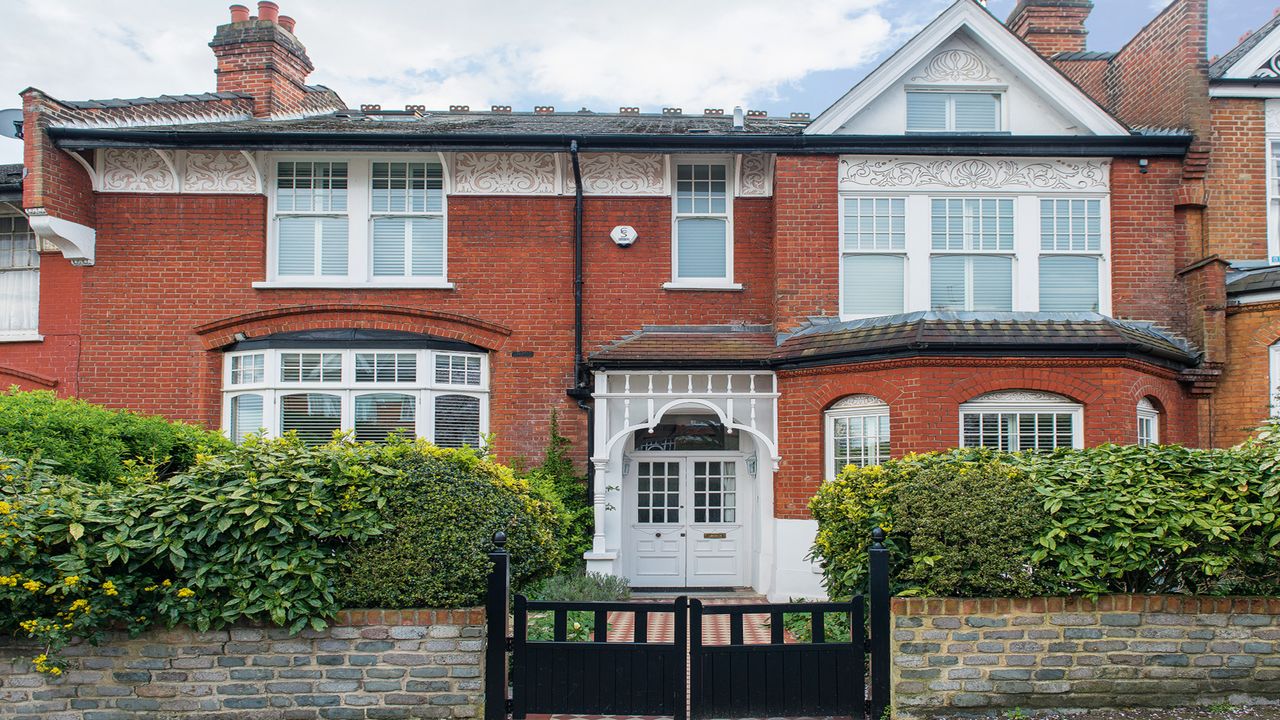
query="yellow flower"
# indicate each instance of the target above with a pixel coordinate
(32, 585)
(166, 583)
(5, 508)
(28, 625)
(149, 588)
(109, 588)
(80, 604)
(72, 580)
(55, 671)
(8, 580)
(40, 659)
(186, 593)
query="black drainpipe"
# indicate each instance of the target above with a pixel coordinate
(581, 390)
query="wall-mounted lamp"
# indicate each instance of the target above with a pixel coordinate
(1143, 165)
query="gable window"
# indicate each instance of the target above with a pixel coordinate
(972, 264)
(931, 111)
(1071, 254)
(373, 393)
(1148, 423)
(702, 226)
(354, 222)
(1020, 420)
(857, 433)
(19, 280)
(873, 256)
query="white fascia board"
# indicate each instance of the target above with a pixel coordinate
(1263, 90)
(993, 36)
(1246, 66)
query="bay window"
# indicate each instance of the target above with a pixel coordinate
(874, 251)
(372, 392)
(962, 279)
(1021, 420)
(357, 221)
(702, 226)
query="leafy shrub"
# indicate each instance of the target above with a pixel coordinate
(575, 586)
(557, 482)
(443, 507)
(1112, 518)
(93, 442)
(248, 534)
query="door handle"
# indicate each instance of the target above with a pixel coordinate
(681, 534)
(657, 534)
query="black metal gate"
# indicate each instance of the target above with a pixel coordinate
(684, 674)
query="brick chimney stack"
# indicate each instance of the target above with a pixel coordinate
(259, 55)
(1051, 26)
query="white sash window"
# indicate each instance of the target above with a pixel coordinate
(873, 256)
(1148, 423)
(857, 433)
(702, 225)
(19, 280)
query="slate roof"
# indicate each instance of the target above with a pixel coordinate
(829, 341)
(1257, 280)
(430, 123)
(10, 180)
(1219, 68)
(1084, 55)
(143, 101)
(697, 346)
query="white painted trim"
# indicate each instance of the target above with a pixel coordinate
(1252, 61)
(1273, 353)
(21, 337)
(1273, 195)
(1235, 90)
(1254, 298)
(1148, 412)
(75, 241)
(994, 37)
(686, 285)
(351, 285)
(95, 180)
(730, 192)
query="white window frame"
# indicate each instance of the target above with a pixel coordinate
(1149, 416)
(31, 334)
(1273, 197)
(1026, 245)
(726, 283)
(1025, 403)
(1273, 389)
(1001, 92)
(853, 406)
(424, 388)
(1099, 255)
(844, 252)
(360, 218)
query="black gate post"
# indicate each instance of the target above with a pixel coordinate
(879, 625)
(495, 654)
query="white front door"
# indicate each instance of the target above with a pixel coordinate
(687, 522)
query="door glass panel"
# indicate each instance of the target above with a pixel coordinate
(658, 493)
(715, 492)
(686, 432)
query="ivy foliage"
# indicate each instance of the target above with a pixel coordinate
(1156, 519)
(557, 482)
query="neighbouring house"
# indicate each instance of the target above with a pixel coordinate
(997, 238)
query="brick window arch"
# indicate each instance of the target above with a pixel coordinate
(857, 433)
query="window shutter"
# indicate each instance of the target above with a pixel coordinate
(947, 283)
(976, 112)
(428, 247)
(380, 414)
(297, 246)
(246, 416)
(992, 283)
(701, 248)
(1069, 284)
(873, 284)
(313, 415)
(333, 246)
(457, 421)
(388, 246)
(926, 112)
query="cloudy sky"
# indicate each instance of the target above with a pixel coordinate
(797, 55)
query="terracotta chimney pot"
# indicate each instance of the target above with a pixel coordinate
(268, 10)
(287, 22)
(239, 13)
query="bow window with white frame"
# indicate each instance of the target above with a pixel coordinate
(857, 433)
(370, 392)
(1021, 420)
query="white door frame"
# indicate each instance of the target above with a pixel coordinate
(746, 511)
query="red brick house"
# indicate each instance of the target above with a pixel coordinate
(996, 238)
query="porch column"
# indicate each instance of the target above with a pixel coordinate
(599, 559)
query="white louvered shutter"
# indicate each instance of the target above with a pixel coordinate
(1068, 284)
(873, 284)
(457, 421)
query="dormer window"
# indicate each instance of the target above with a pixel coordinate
(936, 111)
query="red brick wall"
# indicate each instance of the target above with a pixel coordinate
(924, 396)
(1243, 398)
(1146, 242)
(1051, 26)
(807, 238)
(1237, 180)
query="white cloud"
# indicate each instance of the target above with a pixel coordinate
(571, 53)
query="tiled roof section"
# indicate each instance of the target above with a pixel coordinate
(1250, 281)
(1151, 131)
(984, 333)
(1084, 55)
(141, 101)
(11, 178)
(169, 111)
(704, 346)
(431, 123)
(1219, 68)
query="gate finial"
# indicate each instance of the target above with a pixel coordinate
(500, 540)
(877, 537)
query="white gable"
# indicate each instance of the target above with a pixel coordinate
(1261, 62)
(966, 48)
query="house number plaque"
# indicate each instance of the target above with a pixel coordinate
(714, 536)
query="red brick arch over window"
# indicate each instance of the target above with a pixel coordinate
(220, 333)
(924, 397)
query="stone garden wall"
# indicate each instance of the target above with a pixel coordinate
(962, 656)
(369, 664)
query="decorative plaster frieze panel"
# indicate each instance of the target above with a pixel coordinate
(1020, 396)
(136, 171)
(1273, 116)
(956, 66)
(218, 171)
(619, 174)
(755, 176)
(1270, 68)
(493, 173)
(1007, 174)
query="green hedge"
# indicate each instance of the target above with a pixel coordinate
(443, 507)
(92, 442)
(1158, 519)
